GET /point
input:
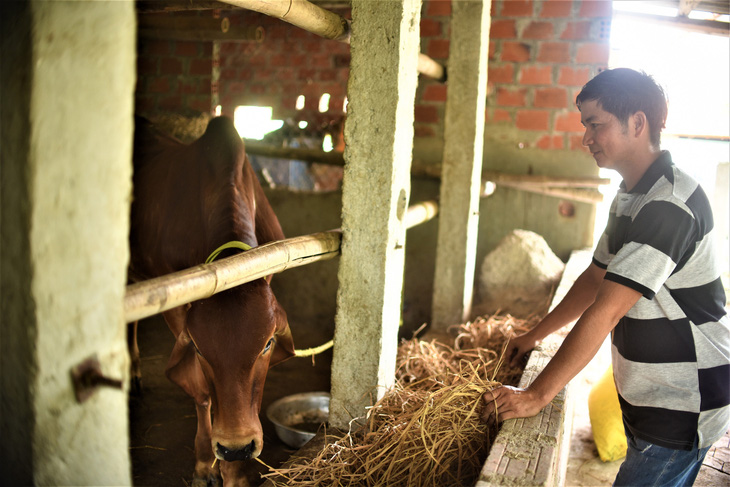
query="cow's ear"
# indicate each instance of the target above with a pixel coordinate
(284, 348)
(184, 369)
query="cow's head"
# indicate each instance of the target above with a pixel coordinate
(230, 341)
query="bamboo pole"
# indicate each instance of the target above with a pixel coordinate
(147, 298)
(581, 195)
(427, 170)
(154, 296)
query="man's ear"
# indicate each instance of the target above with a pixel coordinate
(640, 123)
(184, 369)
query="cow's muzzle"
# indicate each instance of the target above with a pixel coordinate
(233, 455)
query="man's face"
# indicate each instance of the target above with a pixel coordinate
(605, 136)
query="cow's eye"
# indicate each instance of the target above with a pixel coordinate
(269, 344)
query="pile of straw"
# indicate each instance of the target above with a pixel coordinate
(426, 430)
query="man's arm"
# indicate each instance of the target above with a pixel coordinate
(580, 296)
(612, 302)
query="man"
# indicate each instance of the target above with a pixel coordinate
(654, 285)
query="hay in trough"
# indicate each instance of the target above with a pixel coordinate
(427, 429)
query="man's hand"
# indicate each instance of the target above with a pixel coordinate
(509, 402)
(518, 347)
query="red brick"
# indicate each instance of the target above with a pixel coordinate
(435, 92)
(492, 51)
(504, 73)
(297, 60)
(146, 66)
(156, 48)
(576, 142)
(503, 29)
(511, 97)
(424, 131)
(326, 75)
(515, 51)
(170, 103)
(536, 75)
(596, 8)
(171, 65)
(201, 104)
(592, 53)
(551, 98)
(257, 89)
(576, 30)
(569, 122)
(144, 104)
(554, 52)
(516, 8)
(426, 114)
(570, 76)
(186, 48)
(532, 120)
(321, 61)
(438, 48)
(279, 60)
(499, 115)
(556, 8)
(538, 30)
(550, 142)
(307, 74)
(430, 28)
(201, 67)
(438, 8)
(313, 46)
(188, 87)
(158, 85)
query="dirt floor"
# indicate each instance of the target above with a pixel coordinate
(163, 422)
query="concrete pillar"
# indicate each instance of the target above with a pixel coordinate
(68, 74)
(462, 163)
(376, 189)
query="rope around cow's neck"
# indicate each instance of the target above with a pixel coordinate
(235, 244)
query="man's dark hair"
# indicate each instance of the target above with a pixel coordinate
(623, 92)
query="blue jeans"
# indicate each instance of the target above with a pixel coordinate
(647, 464)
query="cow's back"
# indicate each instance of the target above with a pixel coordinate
(189, 199)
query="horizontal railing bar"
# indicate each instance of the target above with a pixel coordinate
(153, 296)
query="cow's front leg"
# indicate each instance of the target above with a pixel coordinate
(206, 473)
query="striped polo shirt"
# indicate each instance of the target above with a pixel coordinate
(671, 352)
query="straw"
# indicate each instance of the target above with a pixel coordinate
(427, 429)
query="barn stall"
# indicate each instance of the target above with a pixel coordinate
(382, 121)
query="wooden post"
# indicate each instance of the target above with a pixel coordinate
(376, 189)
(462, 164)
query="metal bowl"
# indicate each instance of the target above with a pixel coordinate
(298, 417)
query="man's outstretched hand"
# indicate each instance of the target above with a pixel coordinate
(507, 402)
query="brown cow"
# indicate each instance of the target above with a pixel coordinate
(188, 200)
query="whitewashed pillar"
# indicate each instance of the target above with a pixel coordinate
(376, 188)
(462, 163)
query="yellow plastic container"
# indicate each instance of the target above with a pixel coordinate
(605, 413)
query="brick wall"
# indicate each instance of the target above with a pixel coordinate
(173, 76)
(288, 63)
(541, 53)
